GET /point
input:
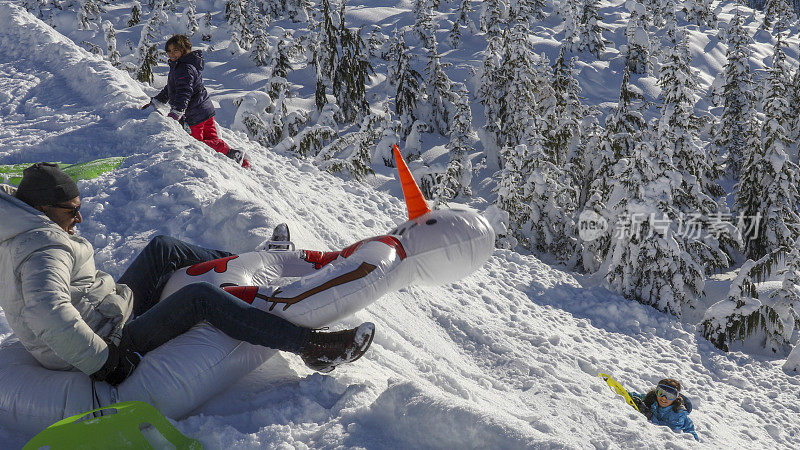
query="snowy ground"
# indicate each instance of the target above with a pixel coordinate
(507, 358)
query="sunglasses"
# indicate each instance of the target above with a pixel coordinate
(74, 210)
(668, 392)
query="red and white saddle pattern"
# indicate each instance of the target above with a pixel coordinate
(309, 288)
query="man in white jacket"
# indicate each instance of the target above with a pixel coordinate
(69, 315)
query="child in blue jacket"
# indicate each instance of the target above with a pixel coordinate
(188, 98)
(665, 405)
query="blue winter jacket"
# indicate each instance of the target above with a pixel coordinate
(185, 90)
(677, 420)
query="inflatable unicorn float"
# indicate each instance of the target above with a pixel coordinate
(308, 288)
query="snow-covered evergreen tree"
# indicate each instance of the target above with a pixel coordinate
(463, 20)
(527, 10)
(624, 127)
(767, 195)
(320, 98)
(112, 55)
(579, 174)
(351, 154)
(376, 42)
(190, 12)
(794, 103)
(413, 145)
(570, 15)
(785, 301)
(438, 95)
(593, 251)
(655, 12)
(312, 139)
(281, 64)
(649, 260)
(297, 10)
(89, 11)
(423, 19)
(491, 94)
(510, 194)
(700, 13)
(261, 49)
(637, 55)
(591, 31)
(777, 95)
(389, 137)
(694, 190)
(678, 126)
(737, 130)
(239, 23)
(565, 117)
(136, 14)
(743, 316)
(736, 317)
(407, 83)
(260, 117)
(455, 35)
(552, 203)
(456, 180)
(670, 22)
(778, 14)
(492, 16)
(579, 165)
(351, 75)
(264, 116)
(271, 9)
(327, 47)
(517, 110)
(145, 71)
(147, 50)
(206, 36)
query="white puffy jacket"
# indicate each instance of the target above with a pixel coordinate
(58, 304)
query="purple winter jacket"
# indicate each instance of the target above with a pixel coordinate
(185, 91)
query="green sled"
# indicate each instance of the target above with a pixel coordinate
(614, 384)
(82, 171)
(122, 429)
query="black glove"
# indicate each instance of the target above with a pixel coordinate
(119, 365)
(641, 406)
(128, 360)
(147, 105)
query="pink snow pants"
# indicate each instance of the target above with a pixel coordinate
(207, 132)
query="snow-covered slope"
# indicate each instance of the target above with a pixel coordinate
(507, 358)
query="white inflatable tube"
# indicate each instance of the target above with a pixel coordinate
(176, 378)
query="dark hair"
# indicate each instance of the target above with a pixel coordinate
(180, 42)
(650, 398)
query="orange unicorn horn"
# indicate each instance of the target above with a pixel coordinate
(415, 202)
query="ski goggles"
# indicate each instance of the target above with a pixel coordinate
(668, 392)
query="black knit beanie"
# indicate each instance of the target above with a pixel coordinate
(44, 184)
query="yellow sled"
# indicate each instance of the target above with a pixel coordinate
(614, 384)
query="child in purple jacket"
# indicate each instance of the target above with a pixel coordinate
(188, 98)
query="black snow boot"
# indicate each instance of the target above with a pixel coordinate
(327, 349)
(238, 156)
